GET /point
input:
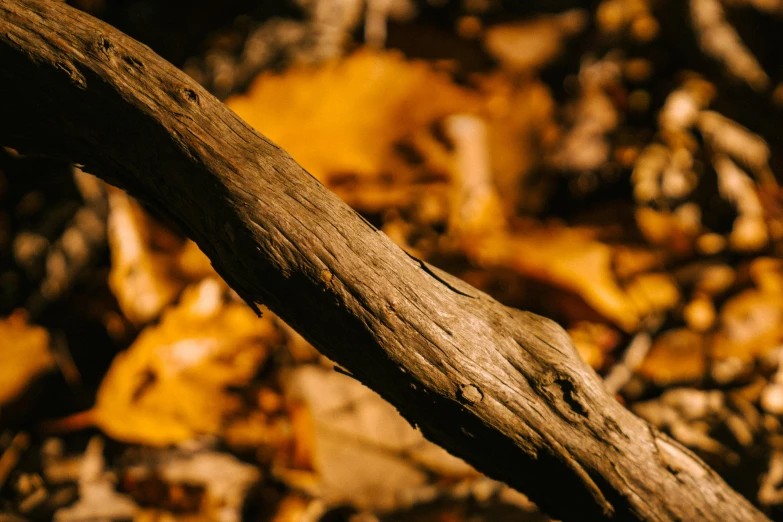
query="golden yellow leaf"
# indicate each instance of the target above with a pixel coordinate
(529, 45)
(24, 356)
(568, 258)
(664, 229)
(369, 126)
(676, 356)
(594, 341)
(346, 116)
(653, 292)
(149, 265)
(751, 324)
(171, 384)
(363, 452)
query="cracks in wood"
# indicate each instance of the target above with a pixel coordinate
(424, 266)
(592, 488)
(73, 73)
(133, 62)
(105, 46)
(612, 426)
(382, 316)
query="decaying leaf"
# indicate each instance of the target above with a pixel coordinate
(98, 498)
(364, 452)
(202, 483)
(171, 385)
(24, 356)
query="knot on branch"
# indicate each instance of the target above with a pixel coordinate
(470, 393)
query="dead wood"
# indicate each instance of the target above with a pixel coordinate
(501, 388)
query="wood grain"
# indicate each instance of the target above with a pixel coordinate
(503, 389)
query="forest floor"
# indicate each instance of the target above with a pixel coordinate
(615, 168)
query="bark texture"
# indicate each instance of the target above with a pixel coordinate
(501, 388)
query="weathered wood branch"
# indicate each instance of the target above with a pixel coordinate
(501, 388)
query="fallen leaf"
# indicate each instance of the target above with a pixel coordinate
(567, 257)
(364, 452)
(594, 341)
(676, 356)
(366, 103)
(171, 384)
(751, 325)
(529, 45)
(149, 265)
(24, 356)
(385, 112)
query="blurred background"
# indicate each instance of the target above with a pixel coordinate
(613, 165)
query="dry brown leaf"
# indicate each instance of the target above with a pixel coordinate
(24, 356)
(171, 384)
(363, 451)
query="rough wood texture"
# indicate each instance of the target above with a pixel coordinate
(501, 388)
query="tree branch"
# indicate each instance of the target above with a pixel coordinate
(501, 388)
